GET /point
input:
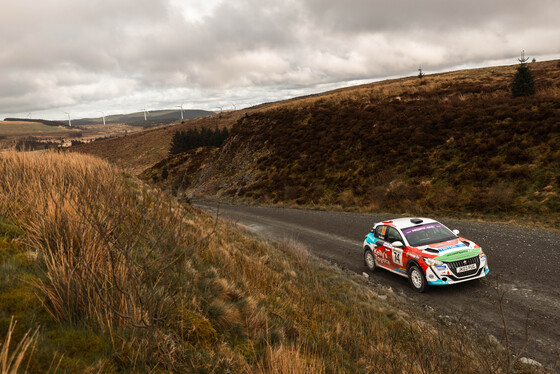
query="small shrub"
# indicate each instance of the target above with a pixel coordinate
(78, 343)
(291, 192)
(400, 192)
(500, 197)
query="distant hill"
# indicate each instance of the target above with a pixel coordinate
(43, 121)
(156, 117)
(138, 151)
(16, 127)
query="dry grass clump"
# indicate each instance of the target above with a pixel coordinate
(113, 252)
(282, 359)
(295, 249)
(101, 239)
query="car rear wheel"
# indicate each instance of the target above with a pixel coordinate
(369, 259)
(417, 279)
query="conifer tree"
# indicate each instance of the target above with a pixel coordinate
(182, 141)
(523, 83)
(420, 72)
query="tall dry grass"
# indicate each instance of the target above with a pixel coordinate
(293, 360)
(105, 243)
(125, 261)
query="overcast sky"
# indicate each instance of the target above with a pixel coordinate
(116, 56)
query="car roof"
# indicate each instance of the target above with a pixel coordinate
(403, 223)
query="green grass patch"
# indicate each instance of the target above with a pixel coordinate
(9, 230)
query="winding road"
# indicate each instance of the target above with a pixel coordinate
(523, 261)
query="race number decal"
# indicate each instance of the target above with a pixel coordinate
(397, 257)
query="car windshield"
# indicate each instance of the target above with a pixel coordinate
(427, 234)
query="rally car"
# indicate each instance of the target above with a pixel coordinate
(424, 251)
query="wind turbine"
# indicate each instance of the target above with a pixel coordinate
(145, 114)
(103, 114)
(181, 106)
(69, 122)
(234, 107)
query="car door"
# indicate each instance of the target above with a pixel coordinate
(396, 254)
(382, 251)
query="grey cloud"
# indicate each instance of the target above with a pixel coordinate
(437, 15)
(75, 53)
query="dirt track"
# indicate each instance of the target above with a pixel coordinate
(524, 260)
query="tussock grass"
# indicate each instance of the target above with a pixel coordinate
(133, 281)
(78, 214)
(296, 250)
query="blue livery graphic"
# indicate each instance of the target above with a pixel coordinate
(370, 239)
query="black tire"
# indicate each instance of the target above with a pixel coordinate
(417, 279)
(369, 259)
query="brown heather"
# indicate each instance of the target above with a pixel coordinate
(135, 282)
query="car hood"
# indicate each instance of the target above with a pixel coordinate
(451, 250)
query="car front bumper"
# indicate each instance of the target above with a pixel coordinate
(443, 275)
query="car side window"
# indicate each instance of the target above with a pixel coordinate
(393, 235)
(380, 232)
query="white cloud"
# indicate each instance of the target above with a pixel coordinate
(78, 56)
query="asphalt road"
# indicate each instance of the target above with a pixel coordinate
(523, 261)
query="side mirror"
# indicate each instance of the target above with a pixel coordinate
(380, 243)
(398, 244)
(456, 232)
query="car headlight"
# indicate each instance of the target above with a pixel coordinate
(432, 261)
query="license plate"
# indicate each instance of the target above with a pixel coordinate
(462, 269)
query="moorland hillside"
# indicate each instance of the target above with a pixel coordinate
(455, 143)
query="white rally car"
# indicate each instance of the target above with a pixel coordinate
(424, 251)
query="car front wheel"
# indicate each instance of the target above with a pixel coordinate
(417, 279)
(369, 259)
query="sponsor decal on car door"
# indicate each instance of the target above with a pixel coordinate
(382, 252)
